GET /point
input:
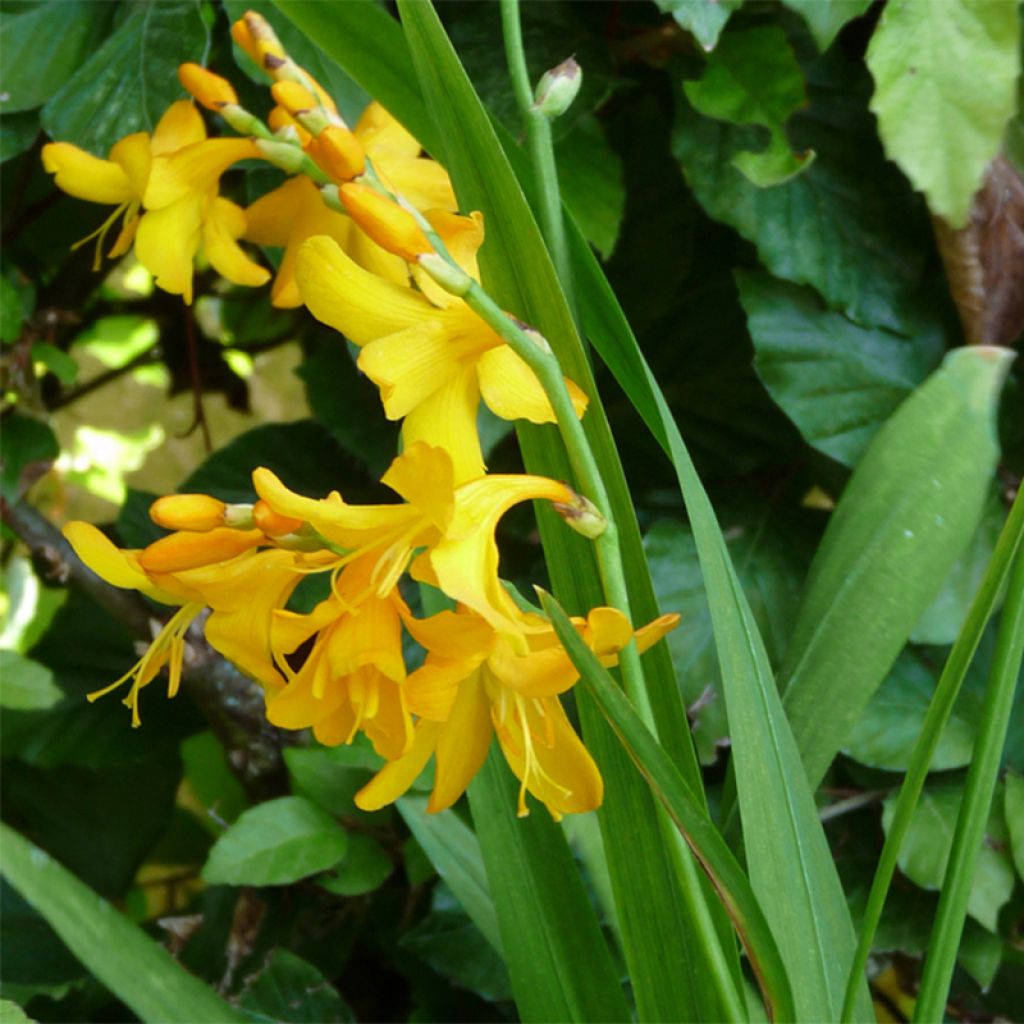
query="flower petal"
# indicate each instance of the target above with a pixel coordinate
(379, 132)
(134, 155)
(353, 301)
(431, 690)
(451, 635)
(166, 244)
(647, 636)
(511, 389)
(194, 169)
(462, 744)
(85, 176)
(181, 126)
(422, 475)
(223, 224)
(397, 776)
(119, 568)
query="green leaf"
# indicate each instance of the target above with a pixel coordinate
(454, 850)
(131, 80)
(837, 381)
(449, 941)
(704, 18)
(848, 226)
(908, 512)
(211, 781)
(276, 843)
(1013, 808)
(289, 990)
(688, 814)
(38, 60)
(136, 969)
(12, 310)
(945, 86)
(771, 559)
(17, 133)
(58, 362)
(752, 77)
(944, 617)
(929, 840)
(25, 685)
(27, 447)
(12, 1013)
(366, 866)
(826, 17)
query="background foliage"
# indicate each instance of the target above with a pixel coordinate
(732, 166)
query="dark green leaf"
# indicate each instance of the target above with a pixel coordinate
(926, 850)
(365, 867)
(211, 781)
(449, 941)
(752, 77)
(27, 447)
(128, 84)
(291, 991)
(276, 843)
(848, 226)
(134, 967)
(1013, 808)
(837, 381)
(25, 685)
(17, 133)
(826, 17)
(43, 45)
(59, 363)
(13, 311)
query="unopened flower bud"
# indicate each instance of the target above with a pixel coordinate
(451, 278)
(394, 229)
(197, 512)
(557, 89)
(252, 32)
(181, 551)
(289, 158)
(206, 88)
(295, 98)
(339, 153)
(272, 523)
(582, 515)
(286, 128)
(240, 119)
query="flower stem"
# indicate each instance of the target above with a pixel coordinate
(541, 148)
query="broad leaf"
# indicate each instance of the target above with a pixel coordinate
(288, 990)
(25, 685)
(945, 77)
(275, 843)
(704, 18)
(826, 17)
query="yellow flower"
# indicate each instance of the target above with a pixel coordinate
(431, 356)
(295, 211)
(352, 677)
(475, 683)
(174, 175)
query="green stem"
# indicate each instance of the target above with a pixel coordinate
(974, 811)
(541, 148)
(939, 710)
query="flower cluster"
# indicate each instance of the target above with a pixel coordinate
(374, 246)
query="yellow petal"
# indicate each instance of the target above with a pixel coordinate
(224, 223)
(110, 563)
(447, 419)
(397, 776)
(390, 730)
(343, 295)
(411, 365)
(462, 237)
(422, 475)
(647, 636)
(608, 630)
(85, 176)
(166, 244)
(536, 674)
(369, 634)
(379, 132)
(462, 745)
(194, 169)
(184, 550)
(511, 389)
(181, 126)
(424, 183)
(134, 155)
(295, 706)
(372, 258)
(452, 635)
(431, 690)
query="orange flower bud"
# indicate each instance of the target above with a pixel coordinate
(339, 153)
(182, 551)
(293, 97)
(272, 523)
(244, 40)
(197, 512)
(279, 118)
(254, 35)
(392, 228)
(208, 89)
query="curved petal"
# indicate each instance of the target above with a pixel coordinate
(511, 389)
(397, 776)
(462, 237)
(166, 243)
(423, 182)
(134, 155)
(379, 132)
(223, 224)
(390, 730)
(370, 634)
(607, 630)
(537, 674)
(451, 635)
(85, 176)
(181, 126)
(374, 258)
(647, 636)
(271, 219)
(447, 420)
(431, 690)
(353, 301)
(118, 568)
(410, 365)
(423, 475)
(462, 744)
(194, 169)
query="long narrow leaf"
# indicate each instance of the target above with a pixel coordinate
(939, 710)
(689, 815)
(141, 973)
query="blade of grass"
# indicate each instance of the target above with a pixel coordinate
(689, 816)
(139, 971)
(939, 710)
(981, 783)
